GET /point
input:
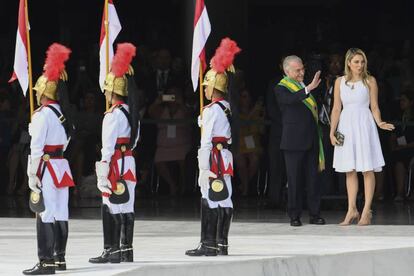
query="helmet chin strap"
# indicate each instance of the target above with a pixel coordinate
(38, 98)
(110, 97)
(209, 95)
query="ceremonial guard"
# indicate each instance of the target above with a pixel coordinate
(49, 175)
(215, 161)
(116, 170)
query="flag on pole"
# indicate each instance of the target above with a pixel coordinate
(202, 29)
(114, 28)
(21, 65)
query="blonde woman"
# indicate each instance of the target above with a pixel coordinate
(356, 115)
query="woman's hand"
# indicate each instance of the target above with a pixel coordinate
(334, 141)
(386, 126)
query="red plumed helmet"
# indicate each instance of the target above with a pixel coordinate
(122, 59)
(224, 56)
(56, 56)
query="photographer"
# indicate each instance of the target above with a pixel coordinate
(173, 141)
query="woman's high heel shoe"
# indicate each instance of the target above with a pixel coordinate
(365, 220)
(350, 218)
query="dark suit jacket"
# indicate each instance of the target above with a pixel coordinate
(150, 85)
(299, 130)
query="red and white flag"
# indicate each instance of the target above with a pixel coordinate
(202, 29)
(114, 28)
(21, 66)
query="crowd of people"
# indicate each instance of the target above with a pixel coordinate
(169, 140)
(349, 110)
(331, 121)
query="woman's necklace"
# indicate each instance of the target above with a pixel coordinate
(353, 84)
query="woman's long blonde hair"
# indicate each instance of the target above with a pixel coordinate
(348, 57)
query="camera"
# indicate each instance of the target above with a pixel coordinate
(168, 98)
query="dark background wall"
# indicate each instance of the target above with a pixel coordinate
(265, 29)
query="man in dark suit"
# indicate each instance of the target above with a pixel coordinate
(300, 140)
(161, 77)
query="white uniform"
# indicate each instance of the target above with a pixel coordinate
(216, 125)
(115, 127)
(47, 135)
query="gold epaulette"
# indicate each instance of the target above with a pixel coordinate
(38, 109)
(110, 110)
(207, 106)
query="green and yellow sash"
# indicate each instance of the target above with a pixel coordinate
(310, 102)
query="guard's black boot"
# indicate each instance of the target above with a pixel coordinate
(203, 219)
(102, 259)
(45, 267)
(115, 251)
(45, 242)
(127, 235)
(224, 221)
(208, 244)
(107, 222)
(61, 238)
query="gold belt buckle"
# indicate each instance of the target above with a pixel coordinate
(46, 157)
(219, 146)
(123, 148)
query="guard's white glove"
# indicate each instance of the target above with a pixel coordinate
(203, 157)
(204, 179)
(204, 168)
(32, 167)
(102, 172)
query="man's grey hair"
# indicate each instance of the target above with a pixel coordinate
(287, 60)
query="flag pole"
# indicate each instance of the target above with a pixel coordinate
(106, 44)
(201, 94)
(29, 63)
(29, 60)
(201, 90)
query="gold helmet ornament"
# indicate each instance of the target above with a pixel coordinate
(53, 70)
(116, 81)
(216, 77)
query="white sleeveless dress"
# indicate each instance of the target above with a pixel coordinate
(362, 149)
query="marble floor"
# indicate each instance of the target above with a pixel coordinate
(262, 242)
(255, 249)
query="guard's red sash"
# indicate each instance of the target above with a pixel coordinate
(217, 159)
(114, 170)
(54, 152)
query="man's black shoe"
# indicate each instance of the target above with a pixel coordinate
(295, 222)
(317, 220)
